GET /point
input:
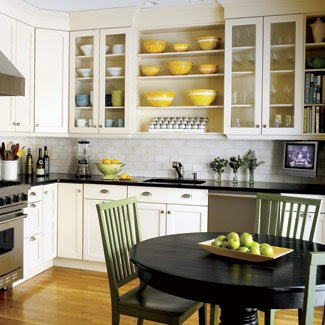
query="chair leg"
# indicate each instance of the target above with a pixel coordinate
(203, 315)
(323, 315)
(115, 318)
(214, 310)
(269, 316)
(299, 316)
(176, 321)
(140, 321)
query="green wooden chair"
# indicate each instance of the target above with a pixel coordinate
(120, 230)
(285, 216)
(314, 259)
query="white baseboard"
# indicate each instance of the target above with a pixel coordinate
(80, 264)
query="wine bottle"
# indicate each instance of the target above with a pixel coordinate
(40, 171)
(29, 163)
(46, 162)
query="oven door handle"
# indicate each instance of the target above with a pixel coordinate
(21, 216)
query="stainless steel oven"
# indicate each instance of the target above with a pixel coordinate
(13, 199)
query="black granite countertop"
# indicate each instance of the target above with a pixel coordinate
(212, 186)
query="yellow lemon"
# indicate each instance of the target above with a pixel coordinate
(20, 153)
(115, 161)
(124, 176)
(106, 161)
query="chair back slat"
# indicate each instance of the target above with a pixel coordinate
(119, 227)
(297, 217)
(289, 216)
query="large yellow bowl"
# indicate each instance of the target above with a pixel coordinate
(154, 46)
(208, 42)
(180, 47)
(201, 97)
(109, 170)
(150, 70)
(179, 67)
(208, 68)
(160, 98)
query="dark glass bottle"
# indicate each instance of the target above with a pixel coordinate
(40, 171)
(46, 162)
(29, 163)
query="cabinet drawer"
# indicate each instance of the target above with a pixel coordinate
(32, 252)
(35, 194)
(105, 192)
(33, 221)
(169, 195)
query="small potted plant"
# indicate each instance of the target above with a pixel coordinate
(250, 162)
(218, 166)
(235, 163)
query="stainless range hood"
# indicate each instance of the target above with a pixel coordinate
(12, 83)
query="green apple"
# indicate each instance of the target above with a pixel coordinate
(221, 238)
(233, 235)
(255, 250)
(216, 243)
(224, 244)
(255, 245)
(263, 245)
(246, 239)
(243, 249)
(267, 251)
(234, 243)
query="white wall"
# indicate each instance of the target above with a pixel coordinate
(154, 157)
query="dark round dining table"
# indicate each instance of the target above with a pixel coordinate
(176, 264)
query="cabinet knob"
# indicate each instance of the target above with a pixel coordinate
(168, 212)
(186, 196)
(100, 126)
(146, 194)
(162, 211)
(257, 126)
(78, 191)
(32, 238)
(264, 126)
(46, 192)
(14, 123)
(37, 125)
(32, 205)
(18, 124)
(95, 126)
(103, 191)
(32, 194)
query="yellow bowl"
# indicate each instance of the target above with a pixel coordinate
(150, 70)
(208, 42)
(109, 170)
(179, 67)
(160, 98)
(208, 68)
(154, 46)
(180, 47)
(201, 97)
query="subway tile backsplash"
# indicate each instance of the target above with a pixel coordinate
(147, 157)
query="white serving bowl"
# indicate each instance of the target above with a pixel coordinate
(118, 49)
(86, 72)
(87, 49)
(114, 71)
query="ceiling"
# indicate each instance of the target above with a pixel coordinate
(78, 5)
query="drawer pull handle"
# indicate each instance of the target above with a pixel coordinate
(146, 194)
(32, 205)
(78, 191)
(104, 191)
(186, 196)
(168, 212)
(32, 194)
(46, 192)
(32, 238)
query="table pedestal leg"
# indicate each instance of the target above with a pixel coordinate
(238, 316)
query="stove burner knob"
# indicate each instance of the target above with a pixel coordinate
(8, 200)
(15, 198)
(2, 202)
(24, 197)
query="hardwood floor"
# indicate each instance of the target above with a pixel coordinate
(69, 296)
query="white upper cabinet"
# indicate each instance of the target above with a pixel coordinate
(263, 73)
(24, 105)
(282, 74)
(51, 81)
(7, 47)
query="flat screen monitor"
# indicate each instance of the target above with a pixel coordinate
(300, 158)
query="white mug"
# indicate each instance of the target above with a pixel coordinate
(81, 122)
(118, 49)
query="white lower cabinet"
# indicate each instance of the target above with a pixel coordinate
(70, 201)
(32, 253)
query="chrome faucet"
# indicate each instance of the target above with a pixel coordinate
(179, 169)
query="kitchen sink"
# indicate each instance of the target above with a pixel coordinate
(174, 181)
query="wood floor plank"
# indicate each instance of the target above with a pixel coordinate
(62, 296)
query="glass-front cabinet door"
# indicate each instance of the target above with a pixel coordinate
(115, 80)
(282, 74)
(84, 81)
(243, 75)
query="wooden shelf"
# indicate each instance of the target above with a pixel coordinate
(282, 72)
(315, 70)
(180, 107)
(315, 46)
(243, 73)
(188, 76)
(84, 79)
(115, 78)
(321, 104)
(115, 55)
(114, 108)
(281, 105)
(84, 107)
(282, 46)
(80, 57)
(243, 48)
(242, 106)
(180, 54)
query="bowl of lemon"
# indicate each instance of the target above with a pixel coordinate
(109, 168)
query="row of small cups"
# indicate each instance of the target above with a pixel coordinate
(178, 123)
(160, 120)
